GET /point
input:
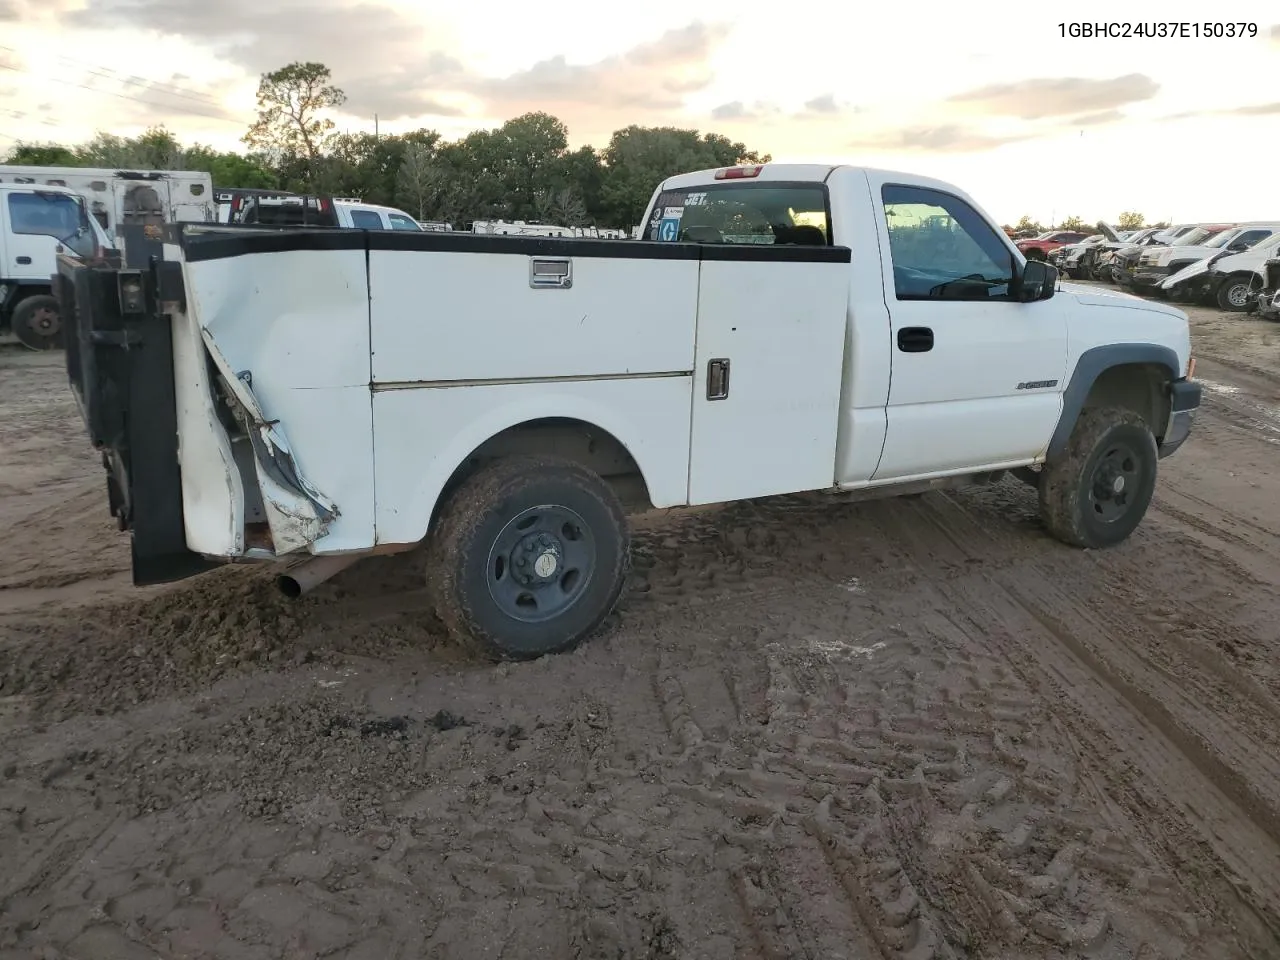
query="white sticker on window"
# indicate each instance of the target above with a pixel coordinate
(672, 213)
(695, 200)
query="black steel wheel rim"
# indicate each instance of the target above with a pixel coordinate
(1113, 488)
(541, 563)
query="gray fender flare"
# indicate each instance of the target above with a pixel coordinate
(1091, 365)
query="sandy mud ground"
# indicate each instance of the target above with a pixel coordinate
(906, 729)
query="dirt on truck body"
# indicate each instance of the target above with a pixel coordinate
(910, 728)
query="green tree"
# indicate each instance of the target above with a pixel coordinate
(232, 169)
(1027, 224)
(291, 124)
(156, 149)
(638, 158)
(1131, 220)
(42, 155)
(1074, 223)
(420, 182)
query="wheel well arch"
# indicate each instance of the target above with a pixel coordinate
(1133, 376)
(592, 446)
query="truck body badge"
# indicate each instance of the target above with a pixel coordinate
(1037, 384)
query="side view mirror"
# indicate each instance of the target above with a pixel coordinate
(1238, 247)
(1039, 281)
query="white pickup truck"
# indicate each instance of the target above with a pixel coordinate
(330, 394)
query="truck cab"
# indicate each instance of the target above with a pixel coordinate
(776, 329)
(38, 223)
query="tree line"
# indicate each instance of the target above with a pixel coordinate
(522, 170)
(1128, 220)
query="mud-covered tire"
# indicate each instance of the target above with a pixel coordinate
(524, 509)
(1074, 488)
(1232, 294)
(37, 322)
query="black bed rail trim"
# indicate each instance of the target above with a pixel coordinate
(202, 242)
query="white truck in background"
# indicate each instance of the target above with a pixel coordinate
(1227, 279)
(115, 197)
(37, 224)
(307, 210)
(324, 395)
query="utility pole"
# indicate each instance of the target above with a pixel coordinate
(375, 126)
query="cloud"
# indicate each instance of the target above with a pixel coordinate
(653, 76)
(1036, 99)
(738, 110)
(1246, 110)
(1095, 119)
(1255, 109)
(824, 104)
(941, 138)
(383, 60)
(392, 64)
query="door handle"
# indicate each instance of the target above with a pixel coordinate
(915, 339)
(718, 378)
(24, 260)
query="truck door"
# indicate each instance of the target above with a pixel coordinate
(977, 377)
(144, 202)
(769, 345)
(32, 223)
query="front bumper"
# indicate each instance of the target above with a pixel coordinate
(1149, 276)
(1184, 398)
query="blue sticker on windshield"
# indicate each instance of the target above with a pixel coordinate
(669, 229)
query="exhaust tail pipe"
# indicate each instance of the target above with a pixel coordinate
(302, 577)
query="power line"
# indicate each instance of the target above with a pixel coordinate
(110, 73)
(125, 96)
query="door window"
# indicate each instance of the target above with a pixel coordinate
(1250, 237)
(366, 220)
(400, 222)
(943, 249)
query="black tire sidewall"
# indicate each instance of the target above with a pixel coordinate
(1223, 288)
(1100, 533)
(519, 640)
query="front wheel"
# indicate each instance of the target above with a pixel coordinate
(528, 557)
(1097, 493)
(37, 322)
(1233, 293)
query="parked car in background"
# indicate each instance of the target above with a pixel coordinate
(1226, 278)
(1266, 300)
(1125, 262)
(1159, 263)
(1100, 268)
(1039, 248)
(297, 210)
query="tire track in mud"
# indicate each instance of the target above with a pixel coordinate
(943, 817)
(1149, 761)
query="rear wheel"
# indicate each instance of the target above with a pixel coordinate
(1097, 493)
(528, 557)
(1233, 293)
(37, 323)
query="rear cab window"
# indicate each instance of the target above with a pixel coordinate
(366, 220)
(757, 212)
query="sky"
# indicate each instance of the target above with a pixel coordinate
(989, 96)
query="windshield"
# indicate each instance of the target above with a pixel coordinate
(742, 213)
(51, 214)
(1225, 237)
(1197, 236)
